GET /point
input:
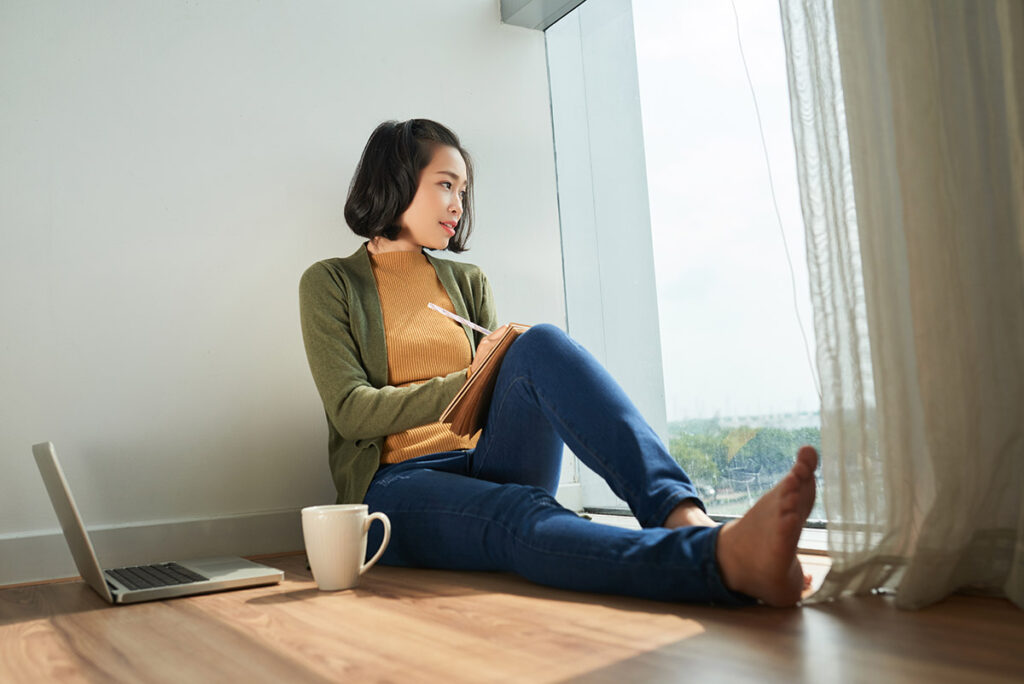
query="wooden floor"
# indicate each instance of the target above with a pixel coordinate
(422, 626)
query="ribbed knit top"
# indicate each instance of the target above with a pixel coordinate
(421, 344)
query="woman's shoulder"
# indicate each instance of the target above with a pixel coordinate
(341, 271)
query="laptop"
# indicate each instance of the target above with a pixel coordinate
(141, 582)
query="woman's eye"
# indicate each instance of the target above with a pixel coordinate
(448, 186)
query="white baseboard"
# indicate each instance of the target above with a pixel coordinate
(44, 555)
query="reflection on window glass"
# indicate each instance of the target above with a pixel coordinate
(740, 395)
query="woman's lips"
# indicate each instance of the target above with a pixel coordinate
(448, 229)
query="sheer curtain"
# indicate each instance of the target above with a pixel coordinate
(907, 118)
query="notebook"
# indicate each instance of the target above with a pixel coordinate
(141, 582)
(467, 412)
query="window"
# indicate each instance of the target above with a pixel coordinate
(676, 273)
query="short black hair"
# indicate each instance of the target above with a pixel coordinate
(388, 174)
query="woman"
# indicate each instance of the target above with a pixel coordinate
(386, 366)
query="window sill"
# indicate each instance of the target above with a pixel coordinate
(812, 541)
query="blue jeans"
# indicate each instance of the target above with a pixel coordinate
(492, 507)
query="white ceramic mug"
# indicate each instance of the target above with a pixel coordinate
(336, 543)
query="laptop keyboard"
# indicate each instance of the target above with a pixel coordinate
(152, 576)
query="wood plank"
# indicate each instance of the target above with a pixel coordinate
(425, 626)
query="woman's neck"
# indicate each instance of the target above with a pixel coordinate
(380, 245)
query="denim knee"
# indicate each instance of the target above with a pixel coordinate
(542, 335)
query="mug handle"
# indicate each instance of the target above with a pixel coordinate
(384, 543)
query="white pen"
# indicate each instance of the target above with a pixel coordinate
(460, 319)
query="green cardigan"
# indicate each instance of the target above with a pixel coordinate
(343, 330)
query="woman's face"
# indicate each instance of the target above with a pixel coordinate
(432, 217)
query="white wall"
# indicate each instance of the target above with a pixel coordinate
(167, 171)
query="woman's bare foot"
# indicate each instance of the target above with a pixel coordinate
(688, 514)
(757, 553)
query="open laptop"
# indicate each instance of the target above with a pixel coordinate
(141, 582)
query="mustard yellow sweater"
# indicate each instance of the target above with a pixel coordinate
(421, 344)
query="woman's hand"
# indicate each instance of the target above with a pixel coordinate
(485, 346)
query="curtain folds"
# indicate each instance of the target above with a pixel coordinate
(907, 119)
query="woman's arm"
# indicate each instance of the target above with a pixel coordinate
(488, 314)
(357, 409)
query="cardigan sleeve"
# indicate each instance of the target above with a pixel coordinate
(488, 313)
(357, 409)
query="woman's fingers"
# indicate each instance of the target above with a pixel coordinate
(490, 340)
(485, 346)
(496, 335)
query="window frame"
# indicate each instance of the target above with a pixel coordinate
(604, 210)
